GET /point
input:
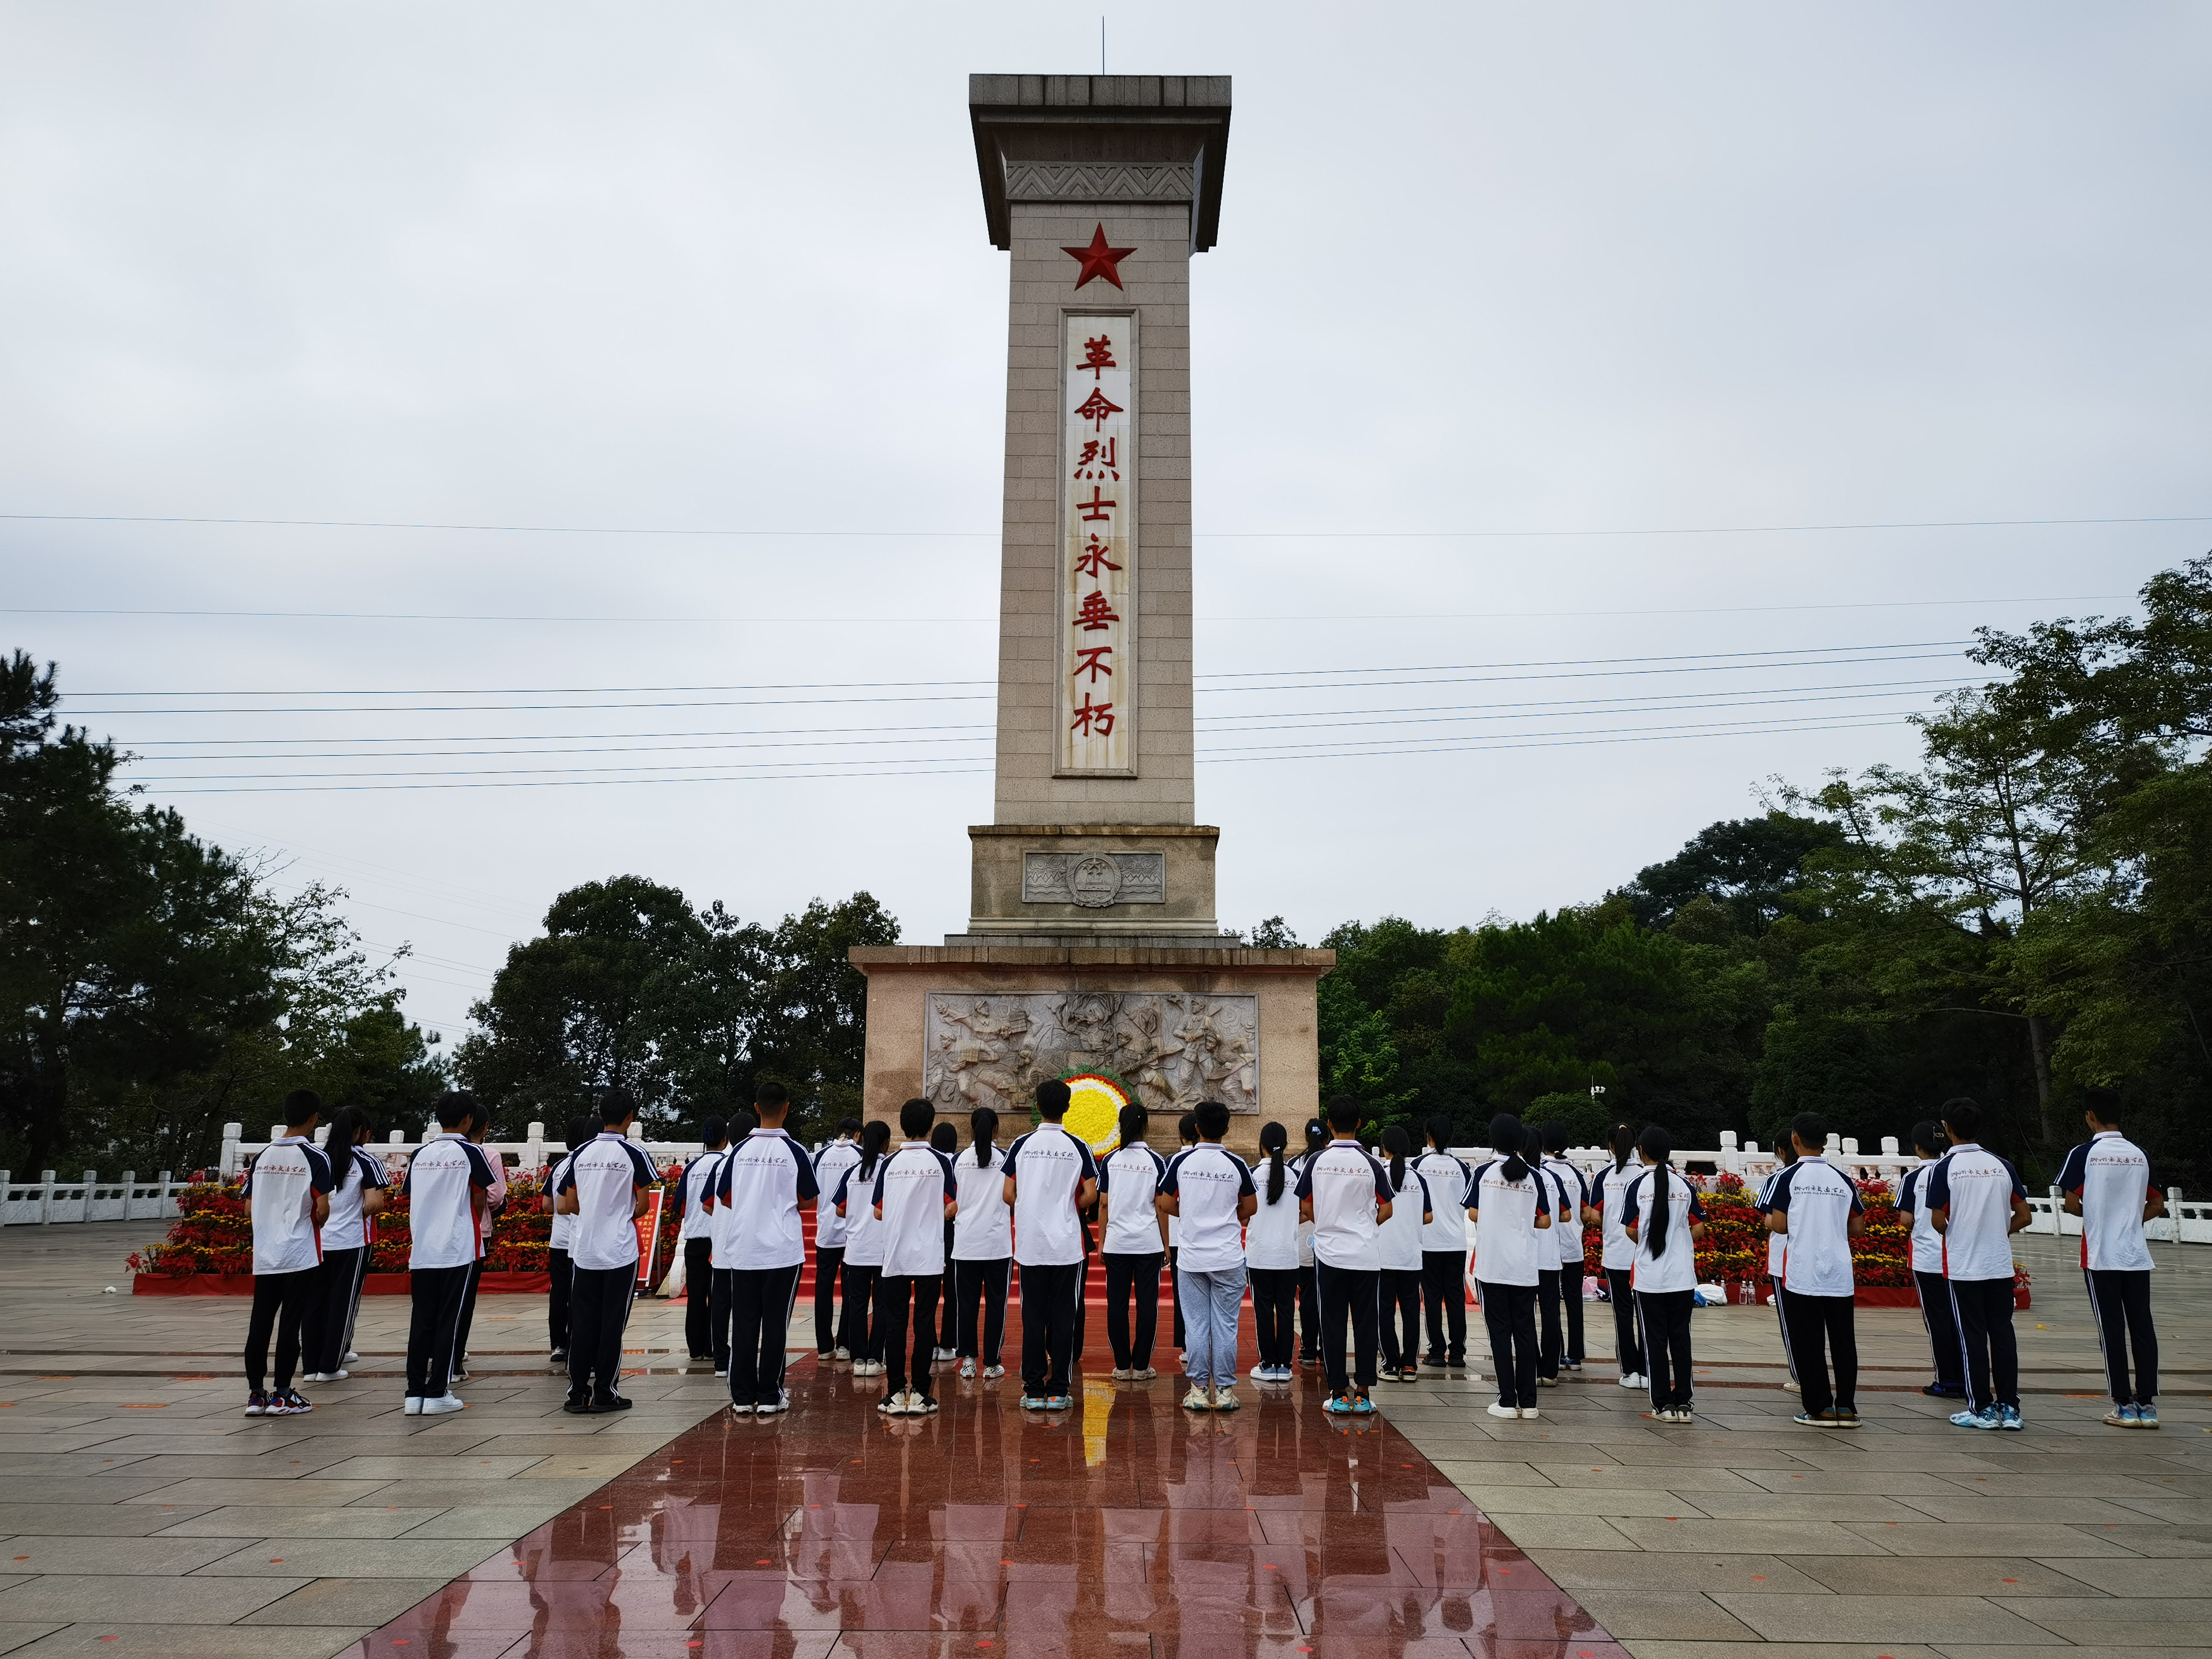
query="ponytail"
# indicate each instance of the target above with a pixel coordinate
(1274, 1138)
(1398, 1144)
(874, 1139)
(1316, 1136)
(348, 1127)
(1657, 1146)
(1505, 1135)
(983, 1123)
(1624, 1145)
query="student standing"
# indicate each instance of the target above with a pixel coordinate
(1444, 1249)
(1935, 1317)
(1346, 1195)
(1616, 1251)
(831, 1229)
(1777, 1257)
(761, 1185)
(1210, 1189)
(1271, 1257)
(1186, 1137)
(1400, 1243)
(1316, 1135)
(287, 1190)
(560, 1274)
(1817, 1208)
(1976, 1203)
(982, 1248)
(606, 1187)
(916, 1195)
(2107, 1182)
(695, 1236)
(855, 1198)
(946, 1139)
(446, 1181)
(1511, 1204)
(357, 1185)
(1662, 1213)
(495, 1202)
(1051, 1178)
(1134, 1242)
(1567, 1243)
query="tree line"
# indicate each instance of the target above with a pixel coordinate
(2023, 914)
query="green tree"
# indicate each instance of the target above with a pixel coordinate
(1749, 867)
(812, 1035)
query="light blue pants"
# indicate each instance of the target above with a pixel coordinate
(1210, 1302)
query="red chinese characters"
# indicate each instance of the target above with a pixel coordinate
(1098, 357)
(1098, 540)
(1092, 561)
(1097, 408)
(1094, 717)
(1095, 614)
(1101, 459)
(1092, 661)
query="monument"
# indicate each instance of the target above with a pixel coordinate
(1092, 940)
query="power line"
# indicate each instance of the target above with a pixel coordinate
(906, 619)
(976, 535)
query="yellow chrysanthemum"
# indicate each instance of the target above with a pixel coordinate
(1094, 1111)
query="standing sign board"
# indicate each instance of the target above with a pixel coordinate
(649, 1236)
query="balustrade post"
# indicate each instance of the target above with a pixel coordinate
(231, 1132)
(129, 1177)
(45, 1198)
(6, 1176)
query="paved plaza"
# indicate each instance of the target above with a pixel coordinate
(143, 1514)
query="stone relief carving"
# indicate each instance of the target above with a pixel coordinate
(1094, 880)
(1174, 1047)
(1099, 181)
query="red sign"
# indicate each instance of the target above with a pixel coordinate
(649, 1236)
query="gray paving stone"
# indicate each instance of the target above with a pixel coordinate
(92, 1520)
(2173, 1621)
(154, 1557)
(1648, 1649)
(1502, 1500)
(448, 1493)
(1568, 1532)
(330, 1601)
(15, 1635)
(1965, 1506)
(1990, 1575)
(2168, 1543)
(212, 1493)
(1802, 1506)
(490, 1523)
(249, 1521)
(352, 1558)
(110, 1641)
(1675, 1614)
(2030, 1540)
(1618, 1569)
(389, 1467)
(1929, 1619)
(122, 1599)
(1785, 1538)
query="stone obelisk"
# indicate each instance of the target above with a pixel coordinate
(1093, 939)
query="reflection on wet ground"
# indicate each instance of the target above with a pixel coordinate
(1127, 1528)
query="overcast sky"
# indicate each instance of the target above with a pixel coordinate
(1482, 268)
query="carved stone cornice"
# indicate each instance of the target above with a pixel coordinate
(1100, 181)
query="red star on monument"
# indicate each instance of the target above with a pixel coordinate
(1098, 259)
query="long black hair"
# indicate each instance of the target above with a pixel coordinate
(1623, 1142)
(349, 1128)
(1400, 1145)
(983, 1124)
(1274, 1138)
(1658, 1145)
(1316, 1135)
(1506, 1136)
(874, 1139)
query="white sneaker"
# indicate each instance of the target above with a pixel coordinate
(1144, 1376)
(842, 1357)
(1119, 1373)
(1631, 1380)
(968, 1371)
(722, 1373)
(992, 1373)
(742, 1407)
(414, 1405)
(1528, 1411)
(1224, 1399)
(1196, 1401)
(1499, 1408)
(444, 1402)
(338, 1376)
(944, 1353)
(773, 1408)
(1791, 1387)
(352, 1358)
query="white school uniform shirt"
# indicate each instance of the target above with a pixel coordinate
(984, 1229)
(1509, 1247)
(1565, 1231)
(1207, 1183)
(564, 1226)
(758, 1186)
(1977, 1188)
(1449, 1180)
(1129, 1180)
(699, 1175)
(1676, 1268)
(280, 1190)
(1619, 1248)
(1343, 1182)
(605, 1173)
(442, 1177)
(855, 1194)
(1047, 1165)
(1913, 1199)
(1271, 1236)
(1398, 1238)
(1777, 1244)
(494, 1195)
(831, 1230)
(1305, 1228)
(1820, 1200)
(350, 1180)
(912, 1186)
(2112, 1177)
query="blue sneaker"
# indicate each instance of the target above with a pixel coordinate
(257, 1403)
(1988, 1418)
(2146, 1417)
(2011, 1419)
(2122, 1416)
(1362, 1406)
(1338, 1405)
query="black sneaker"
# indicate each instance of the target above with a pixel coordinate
(558, 1357)
(290, 1403)
(611, 1402)
(576, 1407)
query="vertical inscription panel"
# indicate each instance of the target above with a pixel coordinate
(1098, 544)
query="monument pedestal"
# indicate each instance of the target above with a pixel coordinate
(968, 1026)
